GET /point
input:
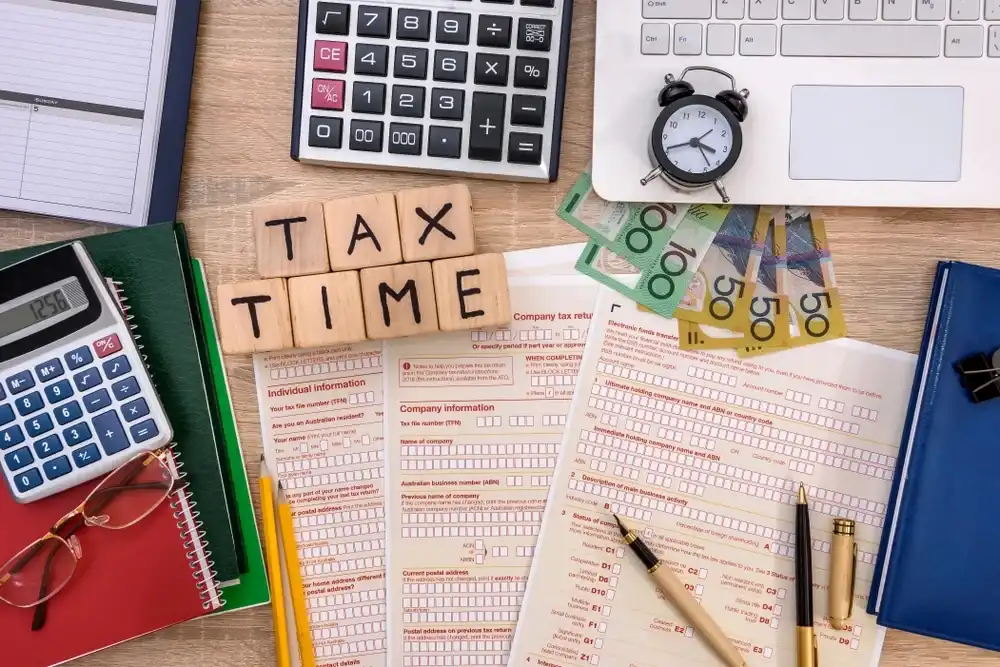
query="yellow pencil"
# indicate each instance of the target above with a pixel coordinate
(298, 593)
(274, 566)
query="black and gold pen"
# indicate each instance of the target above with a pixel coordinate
(807, 649)
(673, 589)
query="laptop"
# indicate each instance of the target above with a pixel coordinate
(852, 102)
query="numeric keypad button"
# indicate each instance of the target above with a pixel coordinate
(368, 97)
(371, 59)
(494, 31)
(410, 63)
(366, 135)
(486, 126)
(333, 18)
(325, 132)
(534, 34)
(407, 101)
(450, 66)
(447, 104)
(491, 69)
(413, 24)
(527, 110)
(444, 142)
(452, 28)
(405, 139)
(531, 72)
(538, 3)
(374, 21)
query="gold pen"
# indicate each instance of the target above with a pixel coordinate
(843, 569)
(808, 652)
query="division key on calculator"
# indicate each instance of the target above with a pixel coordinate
(473, 88)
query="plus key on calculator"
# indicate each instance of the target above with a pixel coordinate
(471, 87)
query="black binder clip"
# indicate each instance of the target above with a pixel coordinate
(980, 376)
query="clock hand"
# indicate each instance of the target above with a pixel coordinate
(705, 135)
(706, 147)
(704, 156)
(686, 143)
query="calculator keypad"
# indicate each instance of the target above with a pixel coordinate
(369, 72)
(83, 407)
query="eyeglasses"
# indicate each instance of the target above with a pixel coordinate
(125, 497)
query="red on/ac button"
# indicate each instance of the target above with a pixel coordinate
(107, 345)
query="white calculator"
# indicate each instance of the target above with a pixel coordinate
(75, 398)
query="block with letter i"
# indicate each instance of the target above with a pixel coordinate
(435, 223)
(399, 300)
(291, 240)
(362, 232)
(471, 292)
(326, 309)
(254, 317)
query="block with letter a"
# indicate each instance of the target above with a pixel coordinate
(362, 232)
(291, 239)
(399, 300)
(471, 292)
(435, 223)
(254, 317)
(326, 309)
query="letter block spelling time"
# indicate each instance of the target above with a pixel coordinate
(291, 239)
(254, 317)
(471, 292)
(435, 223)
(326, 309)
(362, 232)
(399, 300)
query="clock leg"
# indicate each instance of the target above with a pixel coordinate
(652, 176)
(721, 189)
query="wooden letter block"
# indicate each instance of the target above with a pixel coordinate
(399, 300)
(471, 292)
(435, 223)
(253, 317)
(326, 309)
(291, 239)
(362, 232)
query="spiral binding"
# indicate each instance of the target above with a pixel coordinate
(205, 576)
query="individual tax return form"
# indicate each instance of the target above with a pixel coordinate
(703, 453)
(473, 425)
(88, 88)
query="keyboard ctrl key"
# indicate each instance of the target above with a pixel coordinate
(486, 131)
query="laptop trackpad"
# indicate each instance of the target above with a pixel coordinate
(876, 133)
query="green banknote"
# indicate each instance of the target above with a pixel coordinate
(634, 231)
(814, 300)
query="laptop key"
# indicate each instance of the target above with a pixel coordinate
(859, 40)
(679, 9)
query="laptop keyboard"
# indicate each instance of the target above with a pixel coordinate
(822, 28)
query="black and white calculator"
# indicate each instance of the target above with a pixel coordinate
(76, 400)
(471, 87)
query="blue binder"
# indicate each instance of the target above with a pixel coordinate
(939, 558)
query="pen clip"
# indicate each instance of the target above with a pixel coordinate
(854, 575)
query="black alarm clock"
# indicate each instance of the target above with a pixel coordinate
(696, 139)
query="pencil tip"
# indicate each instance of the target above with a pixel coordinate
(802, 494)
(261, 458)
(281, 487)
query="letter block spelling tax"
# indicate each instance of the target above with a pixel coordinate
(362, 232)
(291, 239)
(399, 300)
(326, 309)
(471, 292)
(254, 317)
(435, 223)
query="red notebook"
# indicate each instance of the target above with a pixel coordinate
(128, 582)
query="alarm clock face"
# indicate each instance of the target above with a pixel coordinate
(696, 139)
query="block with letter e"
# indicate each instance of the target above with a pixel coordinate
(471, 292)
(254, 317)
(435, 223)
(399, 300)
(362, 232)
(291, 239)
(326, 309)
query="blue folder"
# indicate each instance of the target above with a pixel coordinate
(938, 569)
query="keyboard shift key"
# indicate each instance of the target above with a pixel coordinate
(366, 135)
(144, 431)
(86, 455)
(487, 126)
(333, 18)
(110, 432)
(524, 148)
(527, 110)
(406, 139)
(531, 72)
(444, 142)
(325, 132)
(680, 9)
(447, 103)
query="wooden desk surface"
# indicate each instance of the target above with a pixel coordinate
(237, 156)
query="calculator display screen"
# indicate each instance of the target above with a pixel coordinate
(37, 310)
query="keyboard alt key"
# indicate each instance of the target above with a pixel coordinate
(758, 40)
(333, 18)
(524, 148)
(406, 139)
(444, 141)
(527, 110)
(963, 41)
(325, 132)
(487, 126)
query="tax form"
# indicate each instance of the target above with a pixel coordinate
(703, 452)
(473, 425)
(81, 98)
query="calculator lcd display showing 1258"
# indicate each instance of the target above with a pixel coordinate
(37, 310)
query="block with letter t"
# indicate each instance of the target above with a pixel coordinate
(254, 317)
(399, 300)
(291, 240)
(471, 292)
